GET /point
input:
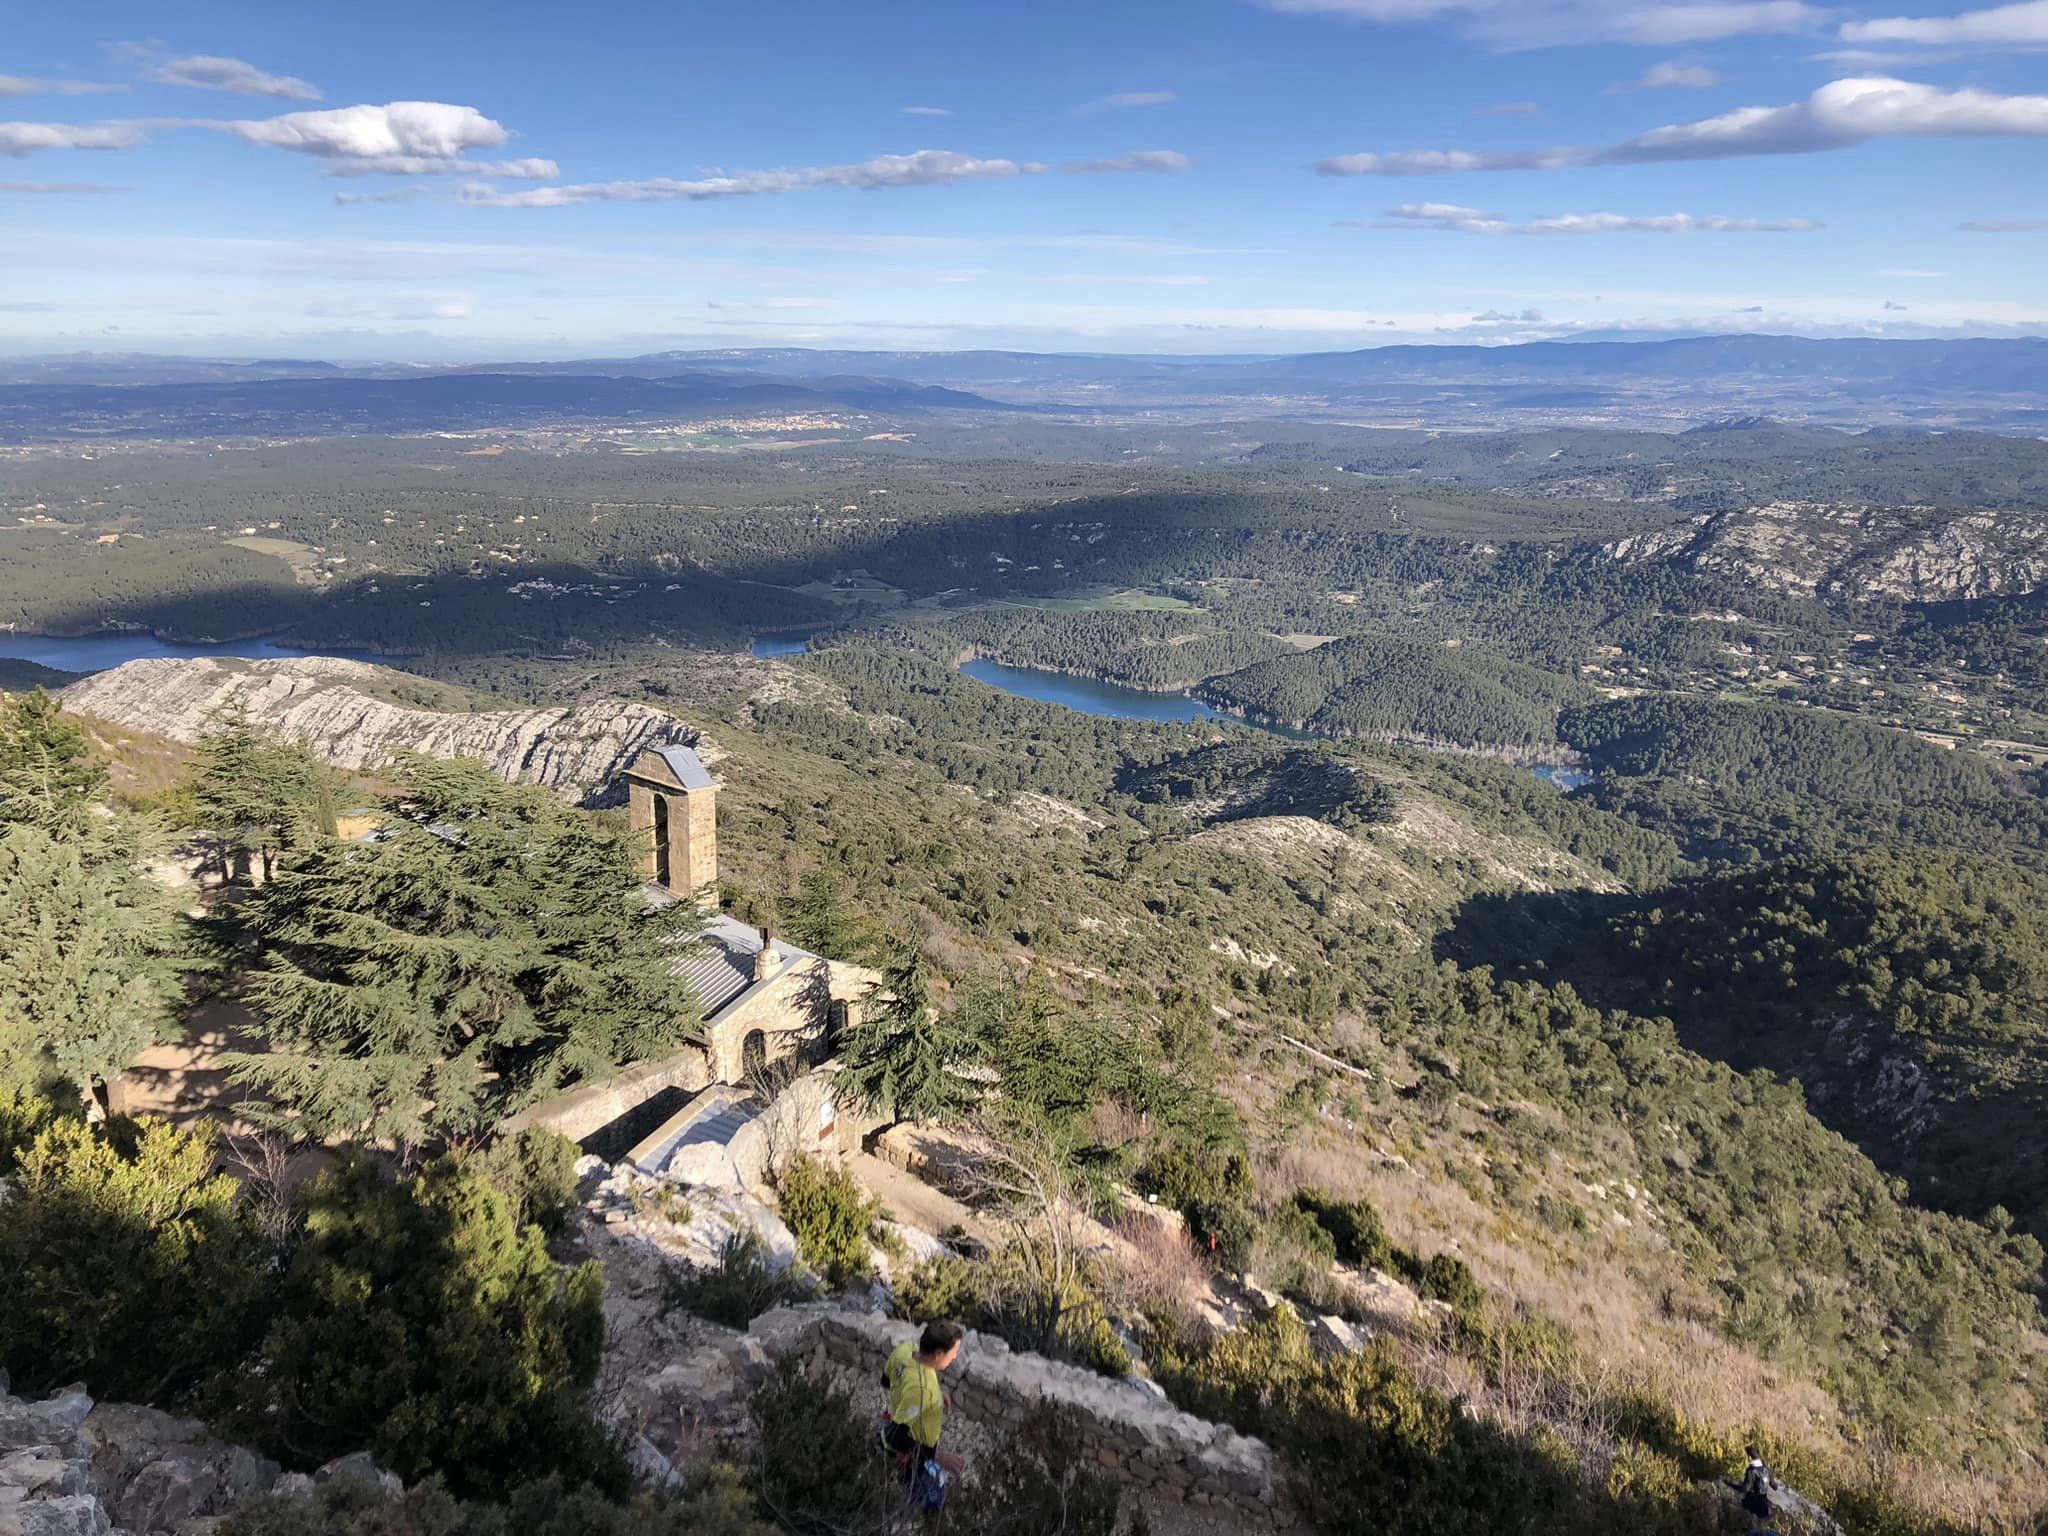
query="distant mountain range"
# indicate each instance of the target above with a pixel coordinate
(439, 402)
(1989, 383)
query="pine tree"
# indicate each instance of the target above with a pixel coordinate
(488, 947)
(47, 775)
(901, 1058)
(88, 976)
(257, 793)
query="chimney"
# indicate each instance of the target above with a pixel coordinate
(765, 958)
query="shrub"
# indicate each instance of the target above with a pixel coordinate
(717, 1506)
(536, 1173)
(1044, 1480)
(829, 1214)
(815, 1465)
(23, 1117)
(943, 1285)
(1354, 1227)
(419, 1321)
(128, 1261)
(1184, 1178)
(739, 1288)
(1225, 1230)
(1447, 1278)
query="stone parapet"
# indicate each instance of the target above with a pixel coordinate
(1163, 1455)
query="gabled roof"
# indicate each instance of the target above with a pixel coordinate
(676, 764)
(720, 965)
(688, 768)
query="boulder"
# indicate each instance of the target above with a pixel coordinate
(706, 1164)
(1334, 1336)
(77, 1514)
(52, 1421)
(168, 1490)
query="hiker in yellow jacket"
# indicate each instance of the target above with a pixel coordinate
(917, 1403)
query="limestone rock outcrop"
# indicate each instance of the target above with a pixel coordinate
(1913, 554)
(73, 1467)
(346, 711)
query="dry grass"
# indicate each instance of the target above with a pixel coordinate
(1156, 1269)
(1637, 1323)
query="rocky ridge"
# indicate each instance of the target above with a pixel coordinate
(333, 704)
(73, 1467)
(1911, 554)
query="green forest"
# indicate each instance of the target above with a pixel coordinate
(1698, 1106)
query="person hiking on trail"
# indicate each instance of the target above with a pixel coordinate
(917, 1410)
(1756, 1486)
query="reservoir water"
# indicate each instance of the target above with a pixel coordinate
(1089, 696)
(96, 653)
(1092, 697)
(789, 643)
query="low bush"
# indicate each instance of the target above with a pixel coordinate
(829, 1214)
(129, 1263)
(943, 1285)
(742, 1285)
(536, 1173)
(717, 1506)
(816, 1465)
(1354, 1227)
(1447, 1278)
(419, 1321)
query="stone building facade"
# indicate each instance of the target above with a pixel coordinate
(764, 1003)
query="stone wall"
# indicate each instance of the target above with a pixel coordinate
(1166, 1457)
(581, 1111)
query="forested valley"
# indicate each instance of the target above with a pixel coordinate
(1702, 1100)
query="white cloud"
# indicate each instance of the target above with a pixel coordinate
(400, 130)
(55, 187)
(1433, 162)
(1137, 160)
(2025, 22)
(17, 139)
(25, 85)
(1840, 114)
(1673, 75)
(924, 168)
(400, 195)
(1877, 58)
(211, 72)
(1457, 219)
(928, 111)
(2004, 226)
(1139, 99)
(1544, 23)
(428, 165)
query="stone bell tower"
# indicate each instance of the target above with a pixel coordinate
(672, 801)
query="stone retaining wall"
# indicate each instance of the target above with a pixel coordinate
(1165, 1456)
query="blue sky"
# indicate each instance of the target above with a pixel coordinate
(453, 181)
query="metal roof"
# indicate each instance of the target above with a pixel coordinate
(720, 966)
(686, 765)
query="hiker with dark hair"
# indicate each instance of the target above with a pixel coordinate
(917, 1411)
(1756, 1487)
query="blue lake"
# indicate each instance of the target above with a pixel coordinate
(789, 643)
(95, 653)
(1088, 696)
(1091, 697)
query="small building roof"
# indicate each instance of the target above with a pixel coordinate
(720, 966)
(686, 765)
